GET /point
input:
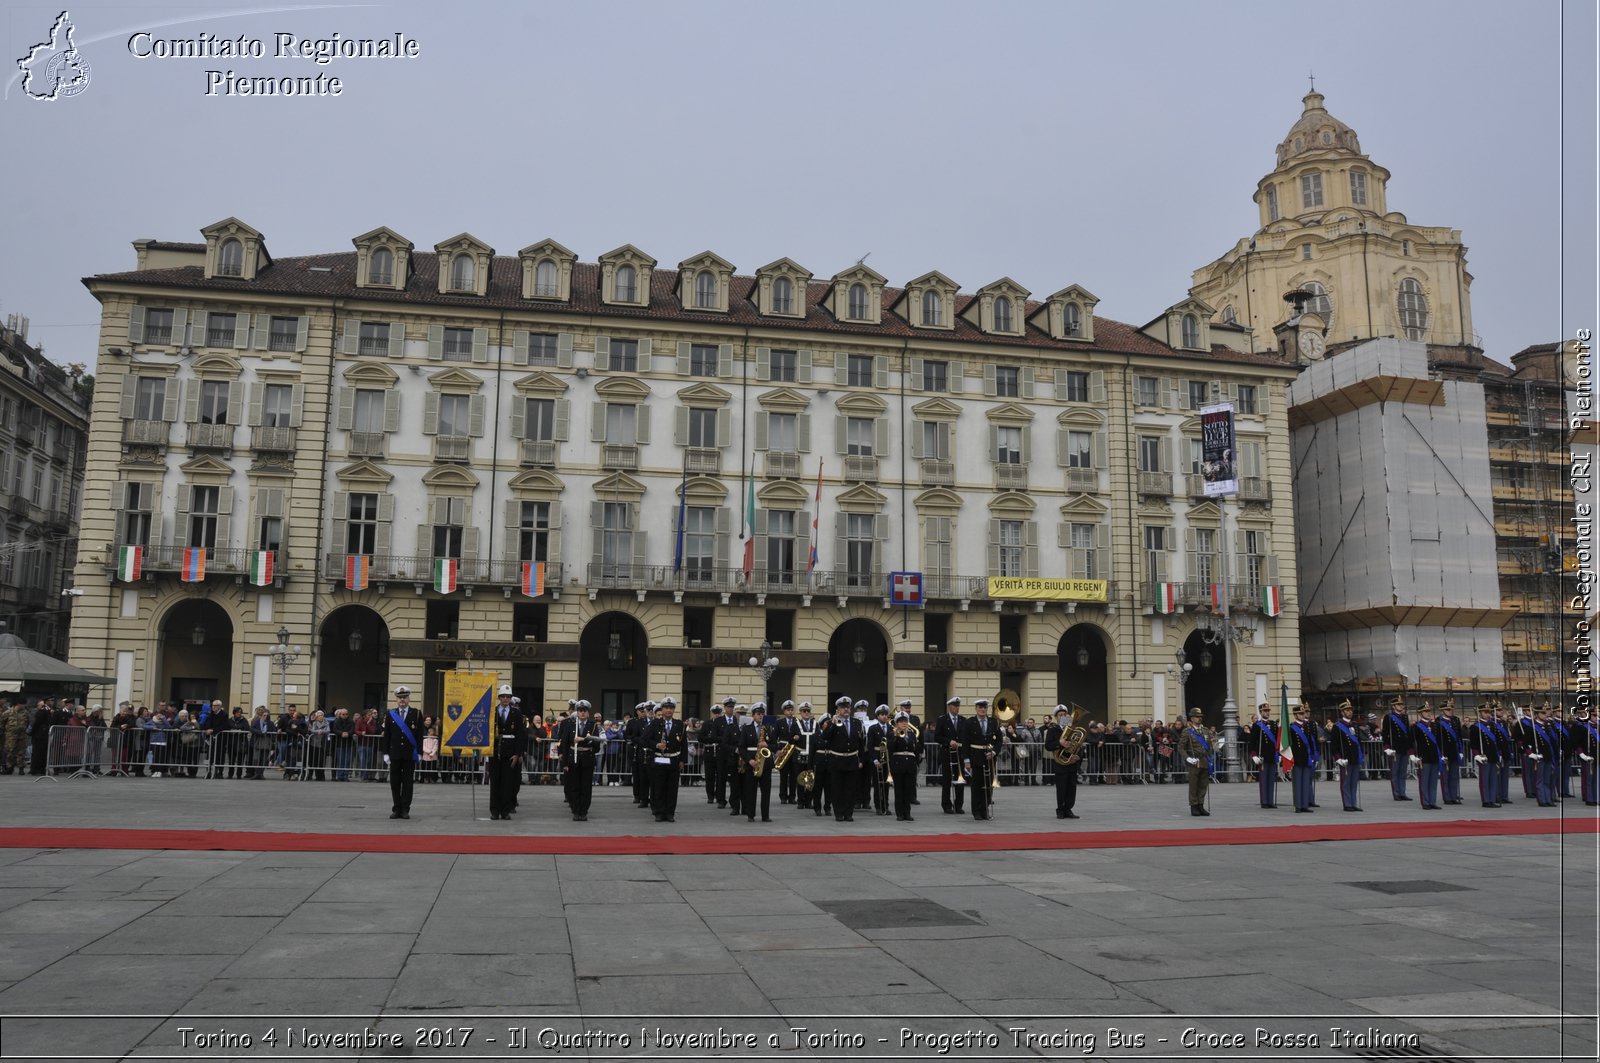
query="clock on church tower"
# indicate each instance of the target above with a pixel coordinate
(1301, 337)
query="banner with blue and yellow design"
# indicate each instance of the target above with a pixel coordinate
(468, 709)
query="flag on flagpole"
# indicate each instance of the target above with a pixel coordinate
(748, 533)
(446, 572)
(261, 568)
(1166, 597)
(1285, 748)
(533, 578)
(130, 563)
(1216, 597)
(1271, 599)
(683, 518)
(356, 569)
(816, 515)
(194, 564)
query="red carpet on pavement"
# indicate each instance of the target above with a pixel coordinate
(843, 842)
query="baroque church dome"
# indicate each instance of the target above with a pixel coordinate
(1316, 132)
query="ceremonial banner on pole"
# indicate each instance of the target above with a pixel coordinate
(261, 568)
(446, 573)
(468, 706)
(356, 569)
(533, 578)
(130, 563)
(194, 564)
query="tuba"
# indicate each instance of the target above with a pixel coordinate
(1072, 738)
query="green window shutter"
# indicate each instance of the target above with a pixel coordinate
(224, 518)
(1098, 451)
(880, 371)
(994, 547)
(235, 401)
(302, 329)
(254, 417)
(914, 444)
(1062, 376)
(383, 539)
(346, 417)
(724, 428)
(644, 355)
(725, 359)
(839, 440)
(1030, 548)
(954, 377)
(341, 523)
(513, 530)
(880, 437)
(563, 419)
(553, 551)
(802, 368)
(1097, 387)
(130, 397)
(475, 415)
(200, 320)
(1027, 380)
(989, 386)
(915, 383)
(724, 521)
(1062, 440)
(519, 416)
(642, 424)
(391, 411)
(397, 339)
(519, 347)
(347, 341)
(191, 400)
(169, 404)
(802, 433)
(680, 426)
(180, 325)
(297, 404)
(469, 542)
(480, 345)
(241, 331)
(597, 423)
(641, 554)
(841, 369)
(136, 324)
(683, 358)
(761, 430)
(763, 363)
(435, 342)
(564, 350)
(430, 413)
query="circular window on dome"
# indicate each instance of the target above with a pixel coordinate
(1327, 137)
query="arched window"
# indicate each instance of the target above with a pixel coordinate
(783, 296)
(932, 308)
(230, 260)
(1358, 186)
(627, 285)
(1320, 303)
(1272, 202)
(1230, 316)
(544, 279)
(1413, 309)
(463, 273)
(380, 267)
(858, 302)
(1191, 331)
(1002, 314)
(705, 289)
(1073, 320)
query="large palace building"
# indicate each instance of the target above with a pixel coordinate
(616, 480)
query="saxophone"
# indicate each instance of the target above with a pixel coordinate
(1073, 736)
(763, 754)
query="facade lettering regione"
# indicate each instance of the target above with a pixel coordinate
(614, 479)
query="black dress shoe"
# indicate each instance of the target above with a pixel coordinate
(394, 815)
(1352, 808)
(1300, 810)
(1431, 808)
(909, 819)
(1203, 812)
(405, 815)
(1402, 797)
(1312, 805)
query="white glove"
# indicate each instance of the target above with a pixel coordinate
(1256, 761)
(1415, 759)
(1221, 742)
(1535, 756)
(1388, 752)
(1586, 758)
(386, 760)
(1481, 759)
(1190, 760)
(1343, 763)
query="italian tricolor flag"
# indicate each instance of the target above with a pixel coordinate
(1166, 597)
(130, 563)
(747, 534)
(261, 568)
(1271, 600)
(1285, 747)
(446, 574)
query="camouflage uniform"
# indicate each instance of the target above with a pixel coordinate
(15, 731)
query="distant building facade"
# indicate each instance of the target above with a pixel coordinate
(410, 433)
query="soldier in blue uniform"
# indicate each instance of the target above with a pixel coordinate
(1483, 741)
(1345, 749)
(1428, 755)
(1563, 765)
(1303, 744)
(1450, 741)
(1263, 749)
(1397, 747)
(1546, 757)
(1507, 742)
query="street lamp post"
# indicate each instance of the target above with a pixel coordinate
(283, 655)
(1220, 631)
(766, 663)
(1185, 670)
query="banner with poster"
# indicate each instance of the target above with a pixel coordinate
(468, 709)
(1219, 454)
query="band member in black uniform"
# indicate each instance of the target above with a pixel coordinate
(1263, 752)
(638, 759)
(711, 758)
(1397, 747)
(729, 790)
(904, 748)
(786, 730)
(980, 749)
(507, 744)
(810, 760)
(878, 760)
(844, 745)
(947, 739)
(401, 742)
(756, 751)
(1066, 774)
(578, 743)
(1483, 743)
(665, 740)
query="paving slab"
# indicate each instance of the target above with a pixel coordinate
(220, 935)
(496, 981)
(285, 955)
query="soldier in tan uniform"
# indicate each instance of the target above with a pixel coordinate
(1197, 746)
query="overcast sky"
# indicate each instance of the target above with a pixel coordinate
(1110, 144)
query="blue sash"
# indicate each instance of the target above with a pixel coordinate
(1311, 747)
(1200, 737)
(1451, 731)
(405, 729)
(1354, 742)
(1428, 731)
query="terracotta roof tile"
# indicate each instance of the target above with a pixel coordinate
(333, 276)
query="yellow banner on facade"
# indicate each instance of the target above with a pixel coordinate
(1036, 588)
(468, 710)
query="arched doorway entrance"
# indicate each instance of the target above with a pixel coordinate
(196, 654)
(858, 664)
(1081, 671)
(1204, 682)
(354, 661)
(613, 664)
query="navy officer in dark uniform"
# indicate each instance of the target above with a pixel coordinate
(401, 742)
(506, 748)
